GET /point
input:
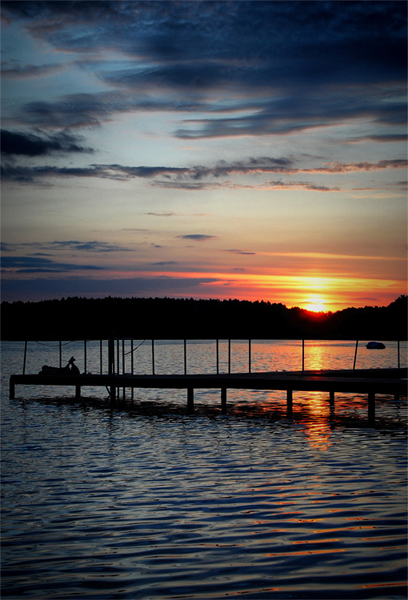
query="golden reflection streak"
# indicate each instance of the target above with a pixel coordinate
(327, 551)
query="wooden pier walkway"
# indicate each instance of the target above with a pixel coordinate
(362, 381)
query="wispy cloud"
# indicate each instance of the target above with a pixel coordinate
(193, 178)
(37, 264)
(35, 144)
(13, 70)
(72, 245)
(197, 237)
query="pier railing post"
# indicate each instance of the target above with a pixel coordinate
(25, 357)
(111, 367)
(355, 356)
(153, 373)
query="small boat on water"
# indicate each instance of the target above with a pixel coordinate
(375, 346)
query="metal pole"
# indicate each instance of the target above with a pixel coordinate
(111, 356)
(153, 357)
(249, 355)
(25, 357)
(355, 356)
(131, 365)
(185, 357)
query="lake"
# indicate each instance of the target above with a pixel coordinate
(143, 501)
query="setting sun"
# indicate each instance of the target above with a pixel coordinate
(316, 305)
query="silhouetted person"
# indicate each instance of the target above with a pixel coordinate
(69, 369)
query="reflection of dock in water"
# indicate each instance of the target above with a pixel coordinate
(360, 381)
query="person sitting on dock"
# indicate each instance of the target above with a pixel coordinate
(69, 369)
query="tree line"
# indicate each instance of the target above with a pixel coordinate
(187, 318)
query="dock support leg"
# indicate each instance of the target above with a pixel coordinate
(190, 399)
(112, 393)
(371, 407)
(289, 402)
(224, 401)
(331, 398)
(77, 392)
(12, 390)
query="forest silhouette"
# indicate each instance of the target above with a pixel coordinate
(177, 318)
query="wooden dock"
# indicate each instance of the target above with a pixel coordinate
(363, 381)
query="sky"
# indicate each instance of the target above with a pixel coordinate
(244, 149)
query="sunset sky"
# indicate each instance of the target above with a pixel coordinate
(251, 150)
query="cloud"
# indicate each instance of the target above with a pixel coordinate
(197, 237)
(34, 144)
(58, 287)
(234, 251)
(337, 167)
(73, 245)
(15, 71)
(286, 66)
(36, 264)
(190, 178)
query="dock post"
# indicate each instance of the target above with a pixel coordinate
(249, 355)
(111, 367)
(60, 353)
(355, 356)
(153, 373)
(25, 357)
(224, 401)
(131, 366)
(371, 407)
(332, 398)
(399, 364)
(12, 390)
(217, 356)
(289, 397)
(229, 356)
(185, 357)
(190, 399)
(303, 355)
(77, 392)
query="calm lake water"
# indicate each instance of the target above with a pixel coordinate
(143, 501)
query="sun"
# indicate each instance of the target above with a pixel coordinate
(316, 305)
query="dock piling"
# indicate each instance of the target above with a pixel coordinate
(371, 407)
(224, 400)
(190, 399)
